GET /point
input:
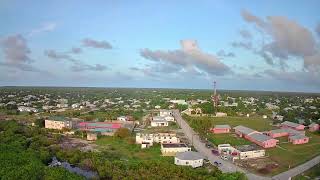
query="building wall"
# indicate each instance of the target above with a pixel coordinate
(192, 163)
(159, 124)
(173, 151)
(299, 141)
(299, 128)
(220, 130)
(252, 154)
(314, 128)
(276, 135)
(51, 124)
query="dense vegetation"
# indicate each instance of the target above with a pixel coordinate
(25, 152)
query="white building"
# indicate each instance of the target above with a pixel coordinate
(171, 149)
(159, 121)
(58, 122)
(27, 109)
(250, 151)
(179, 101)
(147, 140)
(189, 158)
(122, 118)
(221, 114)
(75, 106)
(164, 112)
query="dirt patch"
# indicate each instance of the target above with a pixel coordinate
(260, 165)
(83, 145)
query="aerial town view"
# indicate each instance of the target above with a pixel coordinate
(183, 90)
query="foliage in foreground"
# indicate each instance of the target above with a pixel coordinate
(24, 153)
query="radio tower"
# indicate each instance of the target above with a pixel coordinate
(215, 98)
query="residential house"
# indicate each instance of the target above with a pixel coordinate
(314, 127)
(219, 129)
(189, 158)
(171, 149)
(298, 139)
(292, 125)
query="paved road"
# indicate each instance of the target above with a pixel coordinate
(297, 170)
(200, 147)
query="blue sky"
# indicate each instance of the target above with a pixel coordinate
(270, 45)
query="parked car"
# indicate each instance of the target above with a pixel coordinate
(216, 163)
(224, 157)
(208, 145)
(215, 152)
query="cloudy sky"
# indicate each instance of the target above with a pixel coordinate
(270, 45)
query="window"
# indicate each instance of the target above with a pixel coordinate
(187, 162)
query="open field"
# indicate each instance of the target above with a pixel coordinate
(127, 148)
(256, 123)
(227, 139)
(293, 155)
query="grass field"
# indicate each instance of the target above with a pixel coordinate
(310, 174)
(256, 123)
(128, 150)
(293, 155)
(227, 139)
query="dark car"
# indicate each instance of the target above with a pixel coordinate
(216, 163)
(215, 152)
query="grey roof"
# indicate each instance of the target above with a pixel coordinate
(298, 136)
(222, 126)
(291, 124)
(288, 130)
(189, 155)
(260, 137)
(158, 118)
(244, 130)
(245, 148)
(174, 145)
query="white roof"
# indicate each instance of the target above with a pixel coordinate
(189, 155)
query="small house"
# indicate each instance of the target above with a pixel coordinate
(171, 149)
(189, 158)
(220, 129)
(314, 127)
(298, 139)
(292, 125)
